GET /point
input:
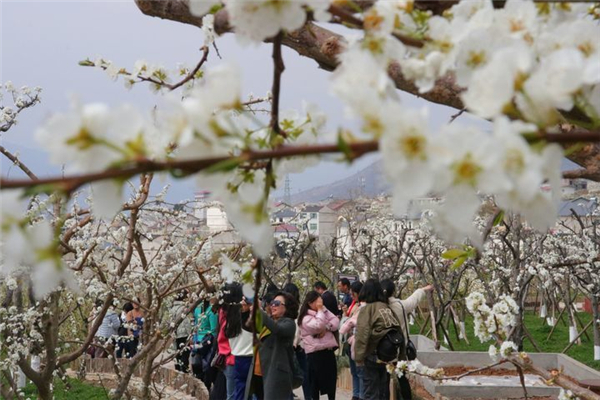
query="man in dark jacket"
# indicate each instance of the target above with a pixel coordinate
(329, 300)
(344, 288)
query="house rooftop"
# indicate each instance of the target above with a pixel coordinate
(581, 206)
(336, 205)
(285, 213)
(312, 208)
(285, 228)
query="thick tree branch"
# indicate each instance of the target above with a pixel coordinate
(358, 149)
(71, 183)
(592, 173)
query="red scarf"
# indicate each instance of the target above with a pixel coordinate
(351, 306)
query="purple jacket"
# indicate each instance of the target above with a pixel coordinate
(313, 325)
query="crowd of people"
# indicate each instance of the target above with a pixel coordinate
(298, 341)
(119, 333)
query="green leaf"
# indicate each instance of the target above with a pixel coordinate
(247, 277)
(87, 63)
(259, 321)
(178, 173)
(453, 254)
(343, 146)
(214, 9)
(48, 188)
(458, 262)
(224, 166)
(470, 251)
(574, 148)
(499, 218)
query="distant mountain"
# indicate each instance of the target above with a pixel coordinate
(368, 182)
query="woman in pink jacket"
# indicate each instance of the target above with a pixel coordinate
(317, 325)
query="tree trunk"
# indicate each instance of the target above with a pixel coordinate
(147, 378)
(518, 333)
(596, 326)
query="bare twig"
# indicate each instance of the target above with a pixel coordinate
(15, 160)
(190, 76)
(458, 114)
(192, 73)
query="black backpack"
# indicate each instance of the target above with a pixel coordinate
(391, 346)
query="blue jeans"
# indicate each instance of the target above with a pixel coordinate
(241, 370)
(360, 372)
(230, 379)
(358, 389)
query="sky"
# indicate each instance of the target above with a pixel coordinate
(41, 43)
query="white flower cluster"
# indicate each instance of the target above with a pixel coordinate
(21, 98)
(231, 270)
(528, 58)
(415, 366)
(543, 45)
(257, 20)
(492, 321)
(506, 350)
(567, 395)
(30, 245)
(20, 330)
(209, 122)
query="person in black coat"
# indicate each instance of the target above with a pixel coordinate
(329, 300)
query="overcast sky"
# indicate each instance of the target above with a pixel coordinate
(42, 42)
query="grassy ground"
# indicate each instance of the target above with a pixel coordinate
(539, 330)
(77, 391)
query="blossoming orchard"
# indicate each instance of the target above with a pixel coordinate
(510, 266)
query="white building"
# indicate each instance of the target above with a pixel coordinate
(200, 206)
(310, 214)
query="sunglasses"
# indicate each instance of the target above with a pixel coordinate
(277, 303)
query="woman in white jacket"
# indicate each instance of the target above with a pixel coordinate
(240, 339)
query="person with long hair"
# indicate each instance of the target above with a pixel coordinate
(402, 308)
(205, 324)
(374, 321)
(273, 376)
(123, 340)
(135, 320)
(298, 345)
(349, 329)
(223, 347)
(317, 325)
(240, 338)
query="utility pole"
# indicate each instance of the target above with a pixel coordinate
(287, 193)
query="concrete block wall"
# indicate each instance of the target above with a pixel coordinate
(467, 390)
